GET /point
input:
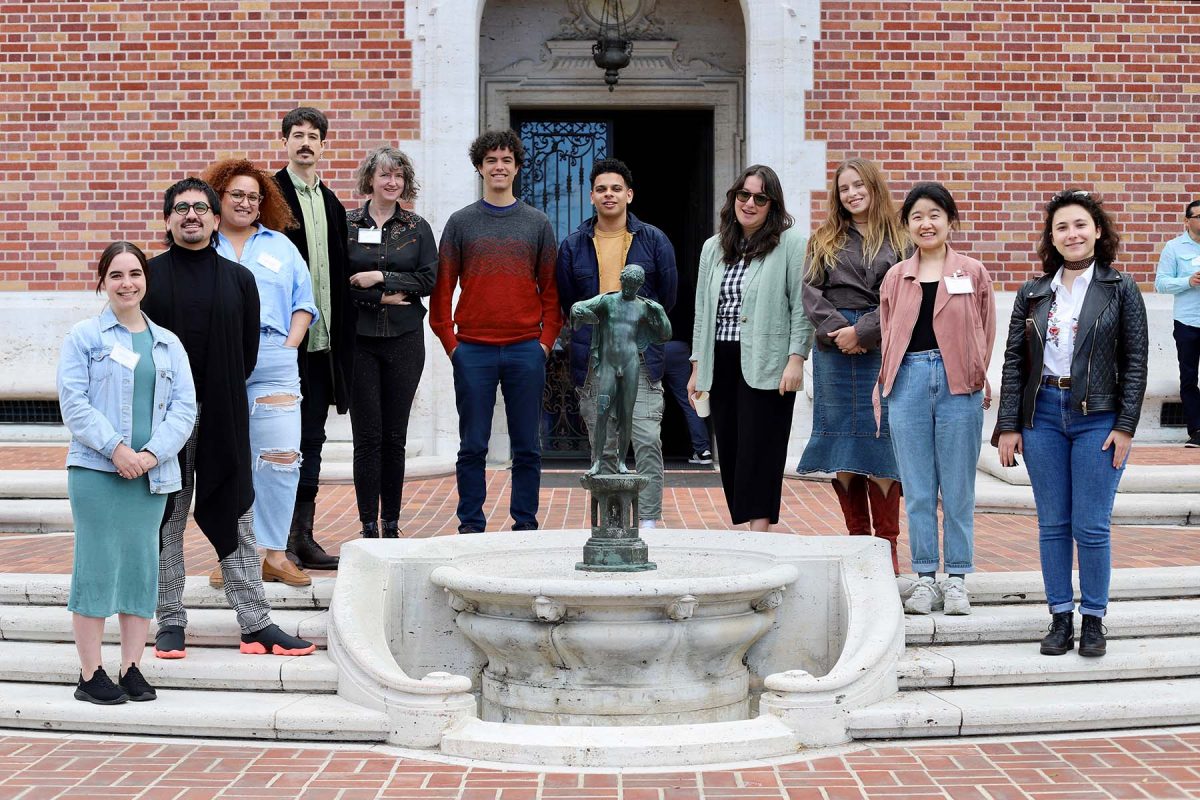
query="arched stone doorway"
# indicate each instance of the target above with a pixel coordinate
(758, 115)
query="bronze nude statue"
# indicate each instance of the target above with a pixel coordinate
(626, 324)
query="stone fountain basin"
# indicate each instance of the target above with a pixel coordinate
(568, 647)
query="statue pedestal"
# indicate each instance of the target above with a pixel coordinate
(615, 545)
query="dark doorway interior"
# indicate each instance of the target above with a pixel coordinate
(670, 154)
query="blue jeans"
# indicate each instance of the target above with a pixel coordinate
(520, 372)
(1074, 484)
(274, 439)
(676, 374)
(936, 437)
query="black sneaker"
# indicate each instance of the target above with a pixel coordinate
(701, 457)
(136, 686)
(100, 689)
(525, 526)
(1193, 441)
(1091, 637)
(168, 642)
(470, 529)
(271, 640)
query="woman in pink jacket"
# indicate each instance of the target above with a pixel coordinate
(938, 323)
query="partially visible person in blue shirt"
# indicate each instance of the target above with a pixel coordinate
(1179, 274)
(253, 211)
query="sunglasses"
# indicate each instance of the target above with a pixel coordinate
(760, 199)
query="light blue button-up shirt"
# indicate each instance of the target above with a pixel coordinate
(1179, 261)
(284, 285)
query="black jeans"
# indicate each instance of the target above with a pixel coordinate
(316, 391)
(1187, 348)
(386, 374)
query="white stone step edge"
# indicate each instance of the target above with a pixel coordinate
(1030, 709)
(1137, 479)
(598, 746)
(196, 713)
(207, 627)
(47, 515)
(1027, 623)
(1022, 663)
(35, 589)
(223, 669)
(32, 484)
(1130, 583)
(994, 496)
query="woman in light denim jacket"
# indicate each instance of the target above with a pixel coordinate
(125, 388)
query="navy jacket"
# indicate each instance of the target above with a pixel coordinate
(579, 279)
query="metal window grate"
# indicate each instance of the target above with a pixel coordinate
(1172, 416)
(30, 412)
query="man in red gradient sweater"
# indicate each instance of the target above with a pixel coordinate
(501, 252)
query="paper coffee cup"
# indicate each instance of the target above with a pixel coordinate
(701, 401)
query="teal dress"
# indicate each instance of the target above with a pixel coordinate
(117, 521)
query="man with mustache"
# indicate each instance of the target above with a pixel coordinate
(326, 355)
(212, 305)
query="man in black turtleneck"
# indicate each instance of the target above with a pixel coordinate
(212, 305)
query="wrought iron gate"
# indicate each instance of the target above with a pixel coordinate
(559, 154)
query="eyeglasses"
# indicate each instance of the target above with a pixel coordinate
(1193, 216)
(760, 199)
(238, 196)
(200, 207)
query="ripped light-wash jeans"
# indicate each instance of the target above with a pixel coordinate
(273, 392)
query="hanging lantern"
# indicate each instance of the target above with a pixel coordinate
(613, 47)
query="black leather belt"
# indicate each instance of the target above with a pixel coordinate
(1057, 382)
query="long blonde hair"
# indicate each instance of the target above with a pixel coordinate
(882, 222)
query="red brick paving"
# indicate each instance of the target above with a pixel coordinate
(1136, 767)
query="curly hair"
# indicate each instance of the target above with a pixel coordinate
(611, 165)
(882, 222)
(273, 210)
(488, 141)
(389, 158)
(1106, 246)
(734, 244)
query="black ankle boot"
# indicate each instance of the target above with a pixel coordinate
(391, 529)
(303, 550)
(1091, 637)
(1061, 636)
(370, 530)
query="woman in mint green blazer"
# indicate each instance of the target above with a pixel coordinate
(750, 340)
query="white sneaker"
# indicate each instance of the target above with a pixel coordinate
(956, 599)
(926, 597)
(647, 524)
(905, 586)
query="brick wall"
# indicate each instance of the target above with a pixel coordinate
(1008, 102)
(106, 104)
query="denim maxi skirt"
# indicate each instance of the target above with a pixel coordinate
(843, 431)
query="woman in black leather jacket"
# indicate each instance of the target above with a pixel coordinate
(1074, 378)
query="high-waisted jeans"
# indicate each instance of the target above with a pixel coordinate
(1074, 485)
(273, 392)
(936, 436)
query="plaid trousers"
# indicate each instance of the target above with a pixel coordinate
(241, 568)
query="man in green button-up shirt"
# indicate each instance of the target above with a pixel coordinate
(326, 355)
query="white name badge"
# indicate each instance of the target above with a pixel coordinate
(959, 284)
(370, 236)
(270, 262)
(124, 356)
(1196, 261)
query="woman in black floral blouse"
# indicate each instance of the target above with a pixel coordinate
(393, 261)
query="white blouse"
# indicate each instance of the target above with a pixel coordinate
(1063, 323)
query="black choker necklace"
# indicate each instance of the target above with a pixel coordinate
(1077, 265)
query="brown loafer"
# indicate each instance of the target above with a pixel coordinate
(215, 579)
(289, 574)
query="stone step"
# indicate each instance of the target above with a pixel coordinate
(1136, 583)
(1138, 478)
(1027, 623)
(995, 496)
(221, 668)
(1021, 663)
(600, 746)
(207, 627)
(43, 515)
(195, 713)
(1031, 708)
(24, 588)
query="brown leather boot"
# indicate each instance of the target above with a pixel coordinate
(303, 550)
(885, 512)
(854, 505)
